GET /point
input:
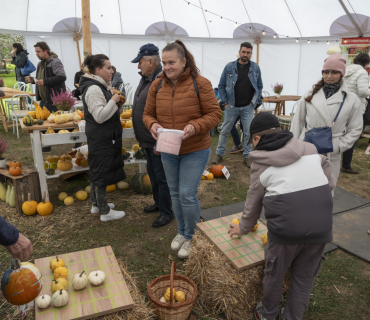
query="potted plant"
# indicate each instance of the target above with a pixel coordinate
(3, 146)
(277, 88)
(64, 101)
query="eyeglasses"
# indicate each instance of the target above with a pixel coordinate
(333, 72)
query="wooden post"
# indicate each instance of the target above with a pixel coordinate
(258, 53)
(86, 27)
(79, 55)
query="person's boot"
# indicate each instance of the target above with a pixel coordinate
(150, 209)
(216, 159)
(350, 170)
(162, 221)
(247, 162)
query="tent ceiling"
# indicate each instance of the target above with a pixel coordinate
(288, 18)
(344, 27)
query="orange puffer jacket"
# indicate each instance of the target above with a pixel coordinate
(174, 107)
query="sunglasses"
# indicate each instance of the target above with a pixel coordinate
(333, 72)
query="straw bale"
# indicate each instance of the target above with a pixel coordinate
(221, 287)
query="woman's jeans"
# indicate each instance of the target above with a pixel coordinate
(99, 198)
(183, 173)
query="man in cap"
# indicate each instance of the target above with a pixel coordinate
(149, 63)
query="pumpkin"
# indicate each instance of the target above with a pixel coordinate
(141, 183)
(81, 114)
(70, 116)
(81, 195)
(59, 298)
(180, 296)
(66, 157)
(39, 122)
(63, 131)
(111, 188)
(47, 113)
(43, 301)
(59, 284)
(52, 159)
(255, 227)
(32, 114)
(167, 295)
(2, 192)
(15, 171)
(235, 221)
(125, 115)
(123, 124)
(55, 263)
(46, 165)
(77, 118)
(65, 117)
(203, 178)
(87, 154)
(50, 171)
(217, 171)
(29, 207)
(163, 300)
(21, 283)
(64, 165)
(69, 201)
(210, 176)
(79, 281)
(12, 198)
(60, 272)
(15, 164)
(44, 208)
(79, 160)
(50, 131)
(79, 155)
(51, 118)
(129, 124)
(96, 277)
(34, 121)
(28, 121)
(122, 185)
(84, 163)
(62, 196)
(123, 151)
(135, 148)
(264, 239)
(59, 119)
(76, 130)
(87, 189)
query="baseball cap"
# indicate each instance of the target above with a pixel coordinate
(263, 121)
(146, 50)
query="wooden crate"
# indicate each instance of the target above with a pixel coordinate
(92, 301)
(27, 182)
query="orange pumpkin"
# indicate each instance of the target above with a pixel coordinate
(44, 208)
(78, 161)
(81, 114)
(15, 171)
(217, 171)
(15, 164)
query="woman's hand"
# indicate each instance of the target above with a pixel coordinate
(189, 131)
(116, 98)
(154, 129)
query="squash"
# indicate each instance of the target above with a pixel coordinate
(52, 159)
(141, 183)
(79, 160)
(69, 201)
(64, 165)
(59, 284)
(163, 300)
(122, 185)
(28, 121)
(217, 171)
(21, 283)
(125, 115)
(51, 118)
(96, 277)
(123, 124)
(60, 298)
(8, 194)
(81, 114)
(15, 171)
(53, 165)
(46, 165)
(63, 131)
(44, 208)
(167, 295)
(126, 156)
(84, 163)
(70, 116)
(81, 195)
(32, 114)
(139, 154)
(77, 118)
(135, 148)
(180, 296)
(210, 176)
(264, 239)
(57, 112)
(79, 155)
(29, 207)
(40, 114)
(15, 164)
(88, 189)
(123, 151)
(255, 227)
(43, 301)
(76, 130)
(66, 157)
(55, 263)
(2, 192)
(59, 119)
(46, 113)
(203, 178)
(50, 171)
(50, 131)
(39, 122)
(111, 188)
(79, 281)
(62, 196)
(235, 221)
(60, 272)
(65, 117)
(129, 124)
(12, 198)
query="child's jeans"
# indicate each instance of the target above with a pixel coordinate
(304, 262)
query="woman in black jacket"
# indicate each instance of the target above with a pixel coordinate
(19, 60)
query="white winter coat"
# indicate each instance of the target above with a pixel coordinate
(357, 81)
(320, 112)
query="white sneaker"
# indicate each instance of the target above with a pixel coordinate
(185, 250)
(112, 215)
(177, 243)
(96, 209)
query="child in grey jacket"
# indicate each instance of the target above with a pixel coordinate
(293, 183)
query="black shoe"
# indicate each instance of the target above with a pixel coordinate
(150, 209)
(162, 221)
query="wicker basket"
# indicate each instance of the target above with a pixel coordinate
(170, 310)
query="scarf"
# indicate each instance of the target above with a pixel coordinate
(274, 141)
(331, 88)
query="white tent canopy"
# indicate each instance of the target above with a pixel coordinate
(122, 26)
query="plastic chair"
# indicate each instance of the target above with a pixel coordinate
(16, 114)
(22, 86)
(265, 94)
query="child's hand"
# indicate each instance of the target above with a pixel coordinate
(234, 230)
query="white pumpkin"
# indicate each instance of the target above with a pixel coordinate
(43, 301)
(122, 185)
(70, 116)
(96, 277)
(59, 298)
(79, 281)
(51, 118)
(163, 300)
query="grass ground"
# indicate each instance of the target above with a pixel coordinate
(147, 250)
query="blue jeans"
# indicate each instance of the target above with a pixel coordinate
(231, 114)
(161, 192)
(183, 174)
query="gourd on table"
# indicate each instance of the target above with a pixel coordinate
(56, 263)
(96, 277)
(15, 171)
(43, 301)
(15, 163)
(60, 298)
(79, 281)
(64, 165)
(58, 284)
(60, 272)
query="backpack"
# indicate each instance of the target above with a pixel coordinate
(194, 82)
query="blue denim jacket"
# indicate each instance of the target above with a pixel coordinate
(228, 80)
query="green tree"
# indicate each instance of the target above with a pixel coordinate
(6, 43)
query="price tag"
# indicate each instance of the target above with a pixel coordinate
(226, 172)
(206, 173)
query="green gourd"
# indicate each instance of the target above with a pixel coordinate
(8, 194)
(12, 198)
(2, 192)
(8, 183)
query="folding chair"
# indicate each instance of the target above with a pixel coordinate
(16, 114)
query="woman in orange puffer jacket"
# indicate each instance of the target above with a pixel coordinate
(183, 104)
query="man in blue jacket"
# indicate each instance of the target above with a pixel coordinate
(240, 89)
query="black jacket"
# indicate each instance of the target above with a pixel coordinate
(8, 233)
(19, 61)
(142, 134)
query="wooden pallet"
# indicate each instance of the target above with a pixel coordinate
(111, 296)
(244, 252)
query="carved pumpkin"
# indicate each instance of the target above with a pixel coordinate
(15, 164)
(44, 208)
(217, 171)
(15, 171)
(29, 207)
(21, 283)
(141, 183)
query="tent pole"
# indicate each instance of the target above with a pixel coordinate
(86, 27)
(258, 53)
(360, 33)
(79, 55)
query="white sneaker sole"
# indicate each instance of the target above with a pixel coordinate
(96, 210)
(183, 255)
(105, 217)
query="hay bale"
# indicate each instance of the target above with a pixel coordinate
(221, 287)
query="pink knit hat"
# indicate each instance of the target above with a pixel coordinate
(335, 62)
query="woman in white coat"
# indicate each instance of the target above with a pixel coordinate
(357, 80)
(319, 106)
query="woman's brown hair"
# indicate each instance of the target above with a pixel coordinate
(183, 52)
(95, 61)
(317, 87)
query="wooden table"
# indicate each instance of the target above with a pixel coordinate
(280, 102)
(9, 93)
